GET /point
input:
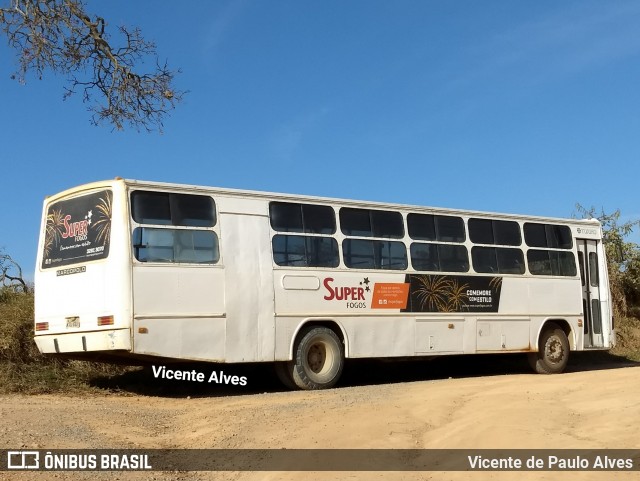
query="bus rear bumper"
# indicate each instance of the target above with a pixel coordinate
(118, 339)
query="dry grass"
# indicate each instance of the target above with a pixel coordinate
(23, 369)
(628, 339)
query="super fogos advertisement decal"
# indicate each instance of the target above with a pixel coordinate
(78, 230)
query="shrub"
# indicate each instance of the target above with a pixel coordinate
(24, 369)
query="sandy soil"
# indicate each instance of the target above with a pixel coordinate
(581, 409)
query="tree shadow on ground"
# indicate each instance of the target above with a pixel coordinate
(467, 366)
(261, 378)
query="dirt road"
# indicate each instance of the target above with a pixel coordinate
(580, 409)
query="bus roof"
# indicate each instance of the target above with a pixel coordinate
(309, 198)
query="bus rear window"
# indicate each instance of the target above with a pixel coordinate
(77, 230)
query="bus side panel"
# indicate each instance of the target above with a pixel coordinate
(535, 300)
(389, 336)
(179, 311)
(540, 296)
(250, 334)
(345, 297)
(200, 339)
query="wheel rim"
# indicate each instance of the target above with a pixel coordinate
(316, 357)
(319, 358)
(553, 350)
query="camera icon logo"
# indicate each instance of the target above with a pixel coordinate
(23, 460)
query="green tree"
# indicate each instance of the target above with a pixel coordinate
(60, 36)
(631, 282)
(623, 259)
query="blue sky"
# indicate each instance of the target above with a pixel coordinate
(520, 107)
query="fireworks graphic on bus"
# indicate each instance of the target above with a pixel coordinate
(78, 229)
(439, 293)
(103, 223)
(55, 224)
(452, 293)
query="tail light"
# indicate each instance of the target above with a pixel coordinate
(42, 326)
(105, 321)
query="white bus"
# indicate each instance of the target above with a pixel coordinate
(152, 271)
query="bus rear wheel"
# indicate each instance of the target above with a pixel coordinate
(553, 352)
(318, 359)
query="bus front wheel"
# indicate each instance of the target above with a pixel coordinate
(553, 352)
(318, 359)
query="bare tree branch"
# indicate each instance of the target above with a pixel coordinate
(59, 35)
(11, 274)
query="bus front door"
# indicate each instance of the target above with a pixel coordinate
(588, 260)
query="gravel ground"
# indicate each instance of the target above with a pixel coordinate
(598, 408)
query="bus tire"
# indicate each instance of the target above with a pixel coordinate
(284, 375)
(553, 351)
(318, 359)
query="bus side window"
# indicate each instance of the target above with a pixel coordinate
(500, 232)
(374, 254)
(493, 260)
(593, 269)
(305, 251)
(371, 223)
(175, 246)
(439, 257)
(551, 263)
(547, 235)
(166, 208)
(581, 262)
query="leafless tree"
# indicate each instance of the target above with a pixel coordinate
(11, 274)
(60, 36)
